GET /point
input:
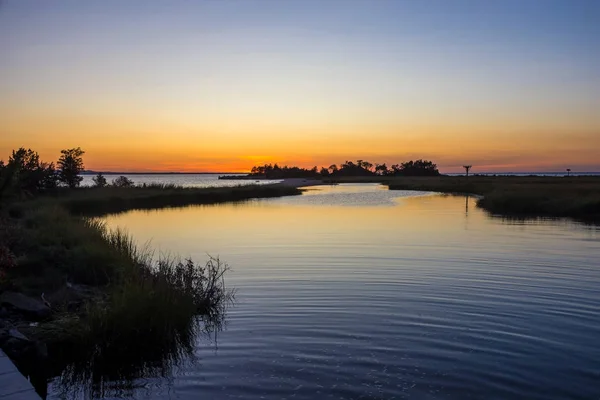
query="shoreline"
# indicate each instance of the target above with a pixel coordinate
(77, 283)
(576, 198)
(57, 239)
(510, 196)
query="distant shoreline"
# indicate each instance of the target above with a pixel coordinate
(161, 173)
(244, 175)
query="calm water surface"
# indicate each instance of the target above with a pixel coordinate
(356, 292)
(186, 180)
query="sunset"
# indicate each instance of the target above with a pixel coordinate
(307, 199)
(219, 85)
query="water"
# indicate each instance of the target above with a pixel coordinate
(356, 292)
(211, 180)
(186, 180)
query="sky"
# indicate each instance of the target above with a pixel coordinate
(223, 85)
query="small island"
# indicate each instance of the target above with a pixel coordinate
(532, 196)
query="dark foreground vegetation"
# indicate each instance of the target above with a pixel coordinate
(520, 196)
(100, 201)
(84, 303)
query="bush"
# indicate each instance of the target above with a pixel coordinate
(99, 181)
(123, 181)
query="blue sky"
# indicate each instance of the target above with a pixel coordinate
(215, 74)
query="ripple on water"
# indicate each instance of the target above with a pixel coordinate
(359, 293)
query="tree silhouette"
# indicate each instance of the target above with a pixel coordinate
(70, 165)
(381, 169)
(568, 171)
(99, 180)
(27, 173)
(415, 168)
(348, 168)
(467, 168)
(365, 165)
(122, 181)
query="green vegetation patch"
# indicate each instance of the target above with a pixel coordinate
(102, 307)
(519, 196)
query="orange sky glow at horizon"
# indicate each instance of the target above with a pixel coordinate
(224, 86)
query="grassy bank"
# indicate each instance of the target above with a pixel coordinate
(515, 196)
(115, 311)
(101, 201)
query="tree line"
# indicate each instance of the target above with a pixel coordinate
(25, 172)
(348, 168)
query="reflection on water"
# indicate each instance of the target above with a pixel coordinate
(105, 372)
(353, 292)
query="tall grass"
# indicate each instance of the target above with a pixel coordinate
(514, 196)
(139, 314)
(148, 320)
(161, 186)
(55, 248)
(106, 200)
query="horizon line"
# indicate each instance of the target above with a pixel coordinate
(87, 172)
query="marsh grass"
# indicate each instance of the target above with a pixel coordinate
(148, 320)
(92, 201)
(140, 315)
(521, 197)
(55, 247)
(119, 312)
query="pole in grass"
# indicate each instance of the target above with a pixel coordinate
(467, 168)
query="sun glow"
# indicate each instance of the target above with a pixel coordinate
(218, 90)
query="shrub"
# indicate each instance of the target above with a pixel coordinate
(99, 180)
(122, 181)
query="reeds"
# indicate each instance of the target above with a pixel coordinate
(147, 320)
(137, 315)
(101, 201)
(520, 196)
